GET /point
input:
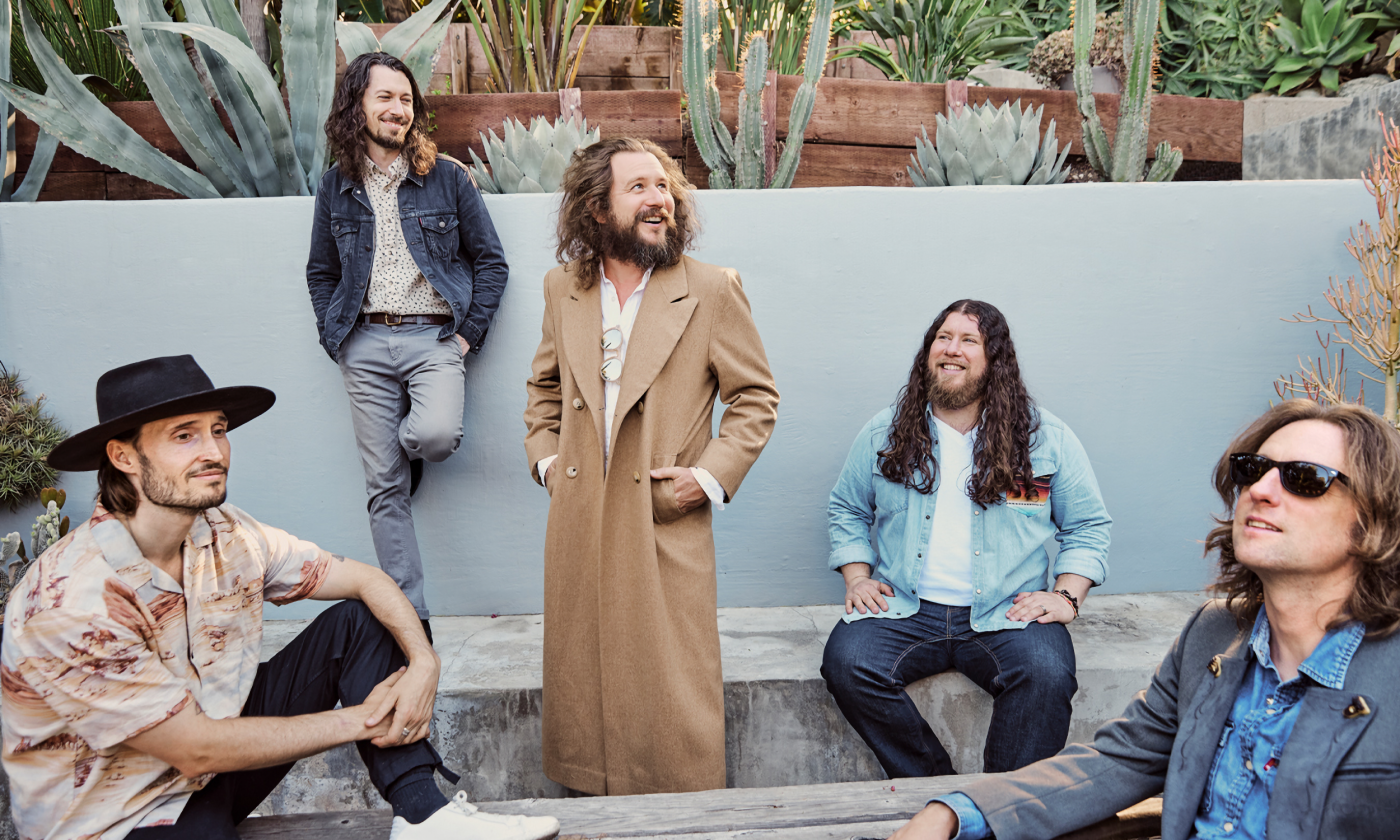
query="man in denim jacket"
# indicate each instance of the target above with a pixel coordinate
(405, 275)
(963, 480)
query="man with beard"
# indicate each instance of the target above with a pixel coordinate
(963, 480)
(134, 702)
(637, 342)
(405, 275)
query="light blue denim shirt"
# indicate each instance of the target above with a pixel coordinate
(1009, 555)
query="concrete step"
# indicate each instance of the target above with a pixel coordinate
(782, 728)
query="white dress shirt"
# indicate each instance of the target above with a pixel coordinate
(623, 316)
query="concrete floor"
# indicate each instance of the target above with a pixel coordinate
(781, 726)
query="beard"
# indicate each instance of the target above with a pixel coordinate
(393, 142)
(953, 398)
(160, 490)
(622, 241)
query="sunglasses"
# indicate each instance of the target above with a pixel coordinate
(611, 370)
(1301, 478)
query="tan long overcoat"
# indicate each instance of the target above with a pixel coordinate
(633, 694)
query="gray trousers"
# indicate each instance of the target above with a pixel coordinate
(406, 392)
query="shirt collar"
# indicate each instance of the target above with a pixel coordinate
(642, 285)
(120, 551)
(1327, 664)
(397, 170)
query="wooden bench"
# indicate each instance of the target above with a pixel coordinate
(806, 812)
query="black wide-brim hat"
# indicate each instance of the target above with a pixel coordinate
(155, 389)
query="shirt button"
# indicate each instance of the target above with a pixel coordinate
(571, 472)
(1248, 765)
(578, 404)
(977, 553)
(1228, 826)
(928, 517)
(979, 592)
(1270, 701)
(974, 627)
(977, 513)
(921, 555)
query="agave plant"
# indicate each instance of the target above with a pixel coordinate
(280, 147)
(43, 150)
(1317, 40)
(529, 160)
(989, 145)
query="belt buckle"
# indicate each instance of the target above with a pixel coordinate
(392, 320)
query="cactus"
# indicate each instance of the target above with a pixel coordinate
(529, 160)
(1125, 159)
(28, 432)
(50, 527)
(989, 145)
(738, 161)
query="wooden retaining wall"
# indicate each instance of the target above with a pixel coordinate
(862, 131)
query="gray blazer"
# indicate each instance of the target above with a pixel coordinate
(1338, 777)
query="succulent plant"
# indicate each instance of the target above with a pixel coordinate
(50, 527)
(27, 434)
(740, 160)
(529, 160)
(1126, 158)
(1053, 57)
(989, 145)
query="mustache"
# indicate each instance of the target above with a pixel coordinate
(210, 466)
(646, 213)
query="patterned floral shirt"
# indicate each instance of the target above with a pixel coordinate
(396, 286)
(100, 645)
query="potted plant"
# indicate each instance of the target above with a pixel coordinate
(1052, 60)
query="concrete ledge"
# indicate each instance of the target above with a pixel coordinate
(782, 727)
(1334, 138)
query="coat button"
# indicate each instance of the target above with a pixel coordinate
(571, 472)
(637, 477)
(578, 404)
(641, 406)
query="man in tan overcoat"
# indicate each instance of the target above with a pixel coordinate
(637, 342)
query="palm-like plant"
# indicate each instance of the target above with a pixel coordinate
(784, 24)
(527, 42)
(280, 148)
(75, 33)
(935, 40)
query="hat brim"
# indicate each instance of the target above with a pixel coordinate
(86, 450)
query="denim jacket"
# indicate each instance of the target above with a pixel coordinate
(1007, 541)
(448, 233)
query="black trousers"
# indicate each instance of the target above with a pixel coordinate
(339, 658)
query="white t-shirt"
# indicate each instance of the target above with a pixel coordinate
(947, 577)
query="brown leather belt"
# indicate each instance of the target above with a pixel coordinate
(396, 320)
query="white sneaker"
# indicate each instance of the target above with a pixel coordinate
(460, 820)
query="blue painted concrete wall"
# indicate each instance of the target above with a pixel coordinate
(1146, 316)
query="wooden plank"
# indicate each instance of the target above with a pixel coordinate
(884, 113)
(652, 115)
(615, 51)
(826, 165)
(785, 813)
(124, 187)
(71, 186)
(622, 83)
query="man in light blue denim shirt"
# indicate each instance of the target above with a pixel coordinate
(1270, 716)
(963, 481)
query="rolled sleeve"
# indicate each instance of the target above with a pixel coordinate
(971, 824)
(98, 675)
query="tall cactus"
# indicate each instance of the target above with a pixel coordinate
(1125, 159)
(739, 161)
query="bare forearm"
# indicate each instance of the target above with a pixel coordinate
(855, 571)
(392, 609)
(195, 744)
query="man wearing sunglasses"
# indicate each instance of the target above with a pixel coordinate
(638, 341)
(1275, 712)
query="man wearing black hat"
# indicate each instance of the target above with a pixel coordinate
(134, 704)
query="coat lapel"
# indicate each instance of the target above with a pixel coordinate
(1199, 735)
(666, 309)
(583, 334)
(1321, 737)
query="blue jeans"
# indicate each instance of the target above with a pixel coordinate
(1029, 673)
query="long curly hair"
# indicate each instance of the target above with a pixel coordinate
(587, 188)
(1001, 457)
(1373, 472)
(345, 127)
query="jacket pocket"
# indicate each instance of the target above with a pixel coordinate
(664, 507)
(440, 235)
(346, 233)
